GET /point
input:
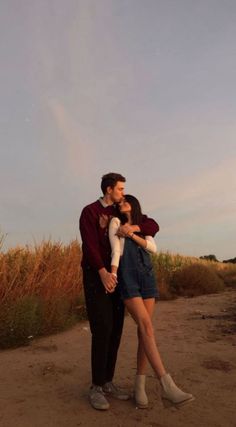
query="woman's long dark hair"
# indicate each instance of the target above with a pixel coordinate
(136, 212)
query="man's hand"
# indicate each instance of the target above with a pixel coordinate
(125, 230)
(109, 280)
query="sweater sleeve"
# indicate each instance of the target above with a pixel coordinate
(114, 241)
(89, 235)
(151, 245)
(148, 226)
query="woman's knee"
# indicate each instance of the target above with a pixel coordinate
(145, 327)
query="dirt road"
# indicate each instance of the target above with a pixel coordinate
(46, 383)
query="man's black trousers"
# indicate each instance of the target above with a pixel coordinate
(106, 317)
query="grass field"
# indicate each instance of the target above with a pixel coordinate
(41, 287)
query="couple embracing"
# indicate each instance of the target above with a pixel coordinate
(117, 273)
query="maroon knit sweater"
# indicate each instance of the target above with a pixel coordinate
(95, 240)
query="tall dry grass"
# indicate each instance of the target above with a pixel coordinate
(40, 290)
(46, 269)
(41, 286)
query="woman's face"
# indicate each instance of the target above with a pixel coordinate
(124, 206)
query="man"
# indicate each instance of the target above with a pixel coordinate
(104, 307)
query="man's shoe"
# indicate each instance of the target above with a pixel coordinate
(97, 398)
(112, 390)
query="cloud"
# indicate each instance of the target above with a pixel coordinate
(217, 183)
(78, 152)
(206, 198)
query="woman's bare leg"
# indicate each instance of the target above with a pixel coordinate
(141, 356)
(140, 395)
(170, 391)
(138, 311)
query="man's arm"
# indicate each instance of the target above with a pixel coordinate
(91, 248)
(89, 235)
(148, 226)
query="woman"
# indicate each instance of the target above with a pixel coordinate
(131, 261)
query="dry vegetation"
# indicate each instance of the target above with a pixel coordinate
(41, 287)
(191, 276)
(40, 291)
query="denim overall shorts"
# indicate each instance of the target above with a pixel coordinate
(135, 275)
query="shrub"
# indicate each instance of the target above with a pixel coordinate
(228, 276)
(165, 265)
(19, 321)
(195, 279)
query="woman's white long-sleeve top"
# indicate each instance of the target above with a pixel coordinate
(117, 243)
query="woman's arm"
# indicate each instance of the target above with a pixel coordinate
(115, 244)
(147, 243)
(151, 244)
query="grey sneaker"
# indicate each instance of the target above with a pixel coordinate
(112, 390)
(97, 398)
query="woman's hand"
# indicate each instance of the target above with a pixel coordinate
(109, 280)
(103, 220)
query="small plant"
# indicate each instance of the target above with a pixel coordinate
(20, 321)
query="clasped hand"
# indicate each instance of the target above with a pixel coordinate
(109, 282)
(124, 230)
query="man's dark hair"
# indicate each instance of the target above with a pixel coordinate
(110, 180)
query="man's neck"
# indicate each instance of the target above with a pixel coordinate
(107, 200)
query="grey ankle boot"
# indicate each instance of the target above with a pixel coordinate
(171, 392)
(139, 391)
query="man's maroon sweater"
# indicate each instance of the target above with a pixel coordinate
(95, 240)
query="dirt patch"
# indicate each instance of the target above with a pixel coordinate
(219, 365)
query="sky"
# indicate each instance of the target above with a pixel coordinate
(143, 88)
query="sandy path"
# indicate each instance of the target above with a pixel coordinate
(46, 383)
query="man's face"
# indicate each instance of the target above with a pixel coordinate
(117, 193)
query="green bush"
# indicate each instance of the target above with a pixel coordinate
(58, 315)
(195, 279)
(19, 321)
(31, 316)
